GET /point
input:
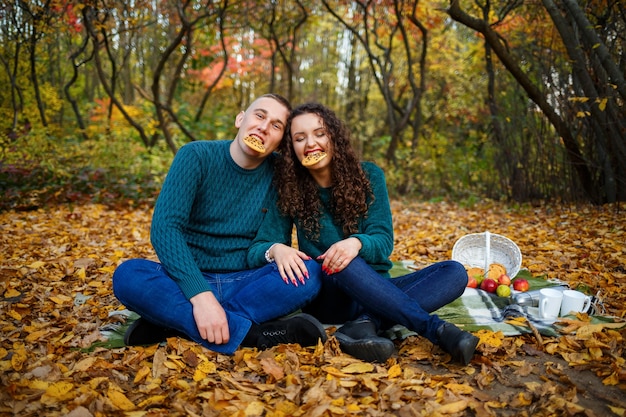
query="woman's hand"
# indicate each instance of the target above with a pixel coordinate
(290, 263)
(340, 254)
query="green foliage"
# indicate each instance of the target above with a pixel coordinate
(38, 170)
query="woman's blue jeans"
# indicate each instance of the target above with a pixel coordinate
(255, 295)
(407, 300)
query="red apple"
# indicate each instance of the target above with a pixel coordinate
(489, 285)
(504, 280)
(520, 284)
(472, 283)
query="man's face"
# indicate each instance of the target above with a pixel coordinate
(264, 119)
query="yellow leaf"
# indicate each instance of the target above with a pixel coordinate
(522, 400)
(612, 379)
(18, 358)
(332, 371)
(94, 382)
(618, 411)
(81, 273)
(182, 384)
(255, 408)
(353, 408)
(459, 388)
(155, 399)
(17, 316)
(59, 389)
(489, 338)
(143, 372)
(595, 352)
(334, 410)
(207, 367)
(34, 336)
(60, 299)
(198, 375)
(36, 264)
(38, 384)
(395, 371)
(358, 368)
(453, 407)
(11, 292)
(85, 364)
(119, 400)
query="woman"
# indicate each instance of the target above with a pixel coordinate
(341, 211)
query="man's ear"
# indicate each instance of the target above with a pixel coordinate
(239, 119)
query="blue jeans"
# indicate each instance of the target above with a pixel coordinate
(407, 300)
(255, 295)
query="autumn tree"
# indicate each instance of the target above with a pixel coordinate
(381, 29)
(582, 97)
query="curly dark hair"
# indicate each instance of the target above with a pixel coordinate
(298, 193)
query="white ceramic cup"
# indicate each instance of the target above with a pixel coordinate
(549, 303)
(574, 301)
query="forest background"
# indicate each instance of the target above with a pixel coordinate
(507, 100)
(489, 105)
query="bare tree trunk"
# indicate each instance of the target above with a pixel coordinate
(89, 15)
(209, 88)
(32, 41)
(610, 143)
(562, 128)
(400, 109)
(72, 80)
(160, 107)
(17, 100)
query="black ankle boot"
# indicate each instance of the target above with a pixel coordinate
(142, 333)
(359, 339)
(458, 343)
(300, 328)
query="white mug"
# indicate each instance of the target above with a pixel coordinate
(549, 303)
(574, 301)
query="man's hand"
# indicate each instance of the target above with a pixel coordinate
(210, 318)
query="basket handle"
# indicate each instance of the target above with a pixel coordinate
(487, 251)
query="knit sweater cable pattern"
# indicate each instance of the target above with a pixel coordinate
(375, 230)
(207, 213)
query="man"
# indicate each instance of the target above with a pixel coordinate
(211, 205)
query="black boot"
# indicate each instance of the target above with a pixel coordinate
(458, 343)
(143, 332)
(359, 339)
(301, 328)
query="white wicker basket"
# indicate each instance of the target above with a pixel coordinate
(482, 249)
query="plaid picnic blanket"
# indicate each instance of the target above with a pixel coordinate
(479, 310)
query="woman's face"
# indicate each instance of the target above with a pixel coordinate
(309, 136)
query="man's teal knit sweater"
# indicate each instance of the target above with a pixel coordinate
(208, 213)
(375, 231)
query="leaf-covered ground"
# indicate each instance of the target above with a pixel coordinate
(55, 294)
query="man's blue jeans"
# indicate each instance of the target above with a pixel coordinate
(256, 295)
(407, 300)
